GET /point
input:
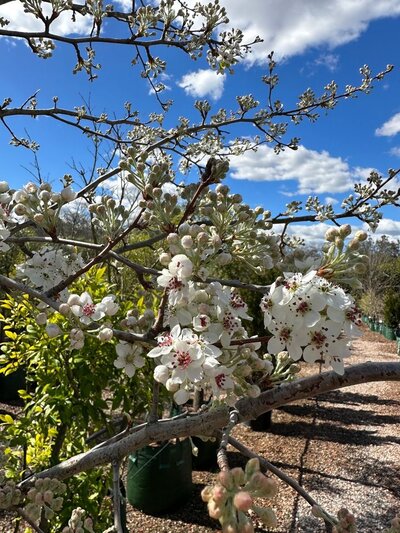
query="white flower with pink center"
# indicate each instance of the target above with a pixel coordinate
(271, 309)
(239, 306)
(165, 342)
(220, 380)
(185, 362)
(129, 357)
(86, 310)
(284, 338)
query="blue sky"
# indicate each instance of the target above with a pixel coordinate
(315, 41)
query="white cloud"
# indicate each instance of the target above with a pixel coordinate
(390, 127)
(330, 200)
(63, 25)
(313, 234)
(387, 226)
(330, 61)
(315, 172)
(395, 151)
(290, 27)
(203, 82)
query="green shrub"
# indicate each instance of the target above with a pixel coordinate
(391, 310)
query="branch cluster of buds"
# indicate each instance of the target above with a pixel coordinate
(233, 496)
(340, 263)
(41, 204)
(45, 496)
(10, 495)
(244, 233)
(78, 523)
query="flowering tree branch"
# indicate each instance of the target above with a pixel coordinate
(206, 423)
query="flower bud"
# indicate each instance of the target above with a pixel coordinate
(105, 334)
(64, 309)
(187, 242)
(20, 210)
(67, 194)
(41, 319)
(53, 330)
(222, 189)
(361, 235)
(213, 510)
(331, 234)
(165, 258)
(172, 238)
(45, 196)
(161, 374)
(4, 187)
(242, 501)
(206, 493)
(219, 494)
(345, 230)
(38, 218)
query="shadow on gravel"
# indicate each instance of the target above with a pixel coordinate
(353, 398)
(194, 511)
(331, 433)
(343, 415)
(365, 471)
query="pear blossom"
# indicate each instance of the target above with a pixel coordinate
(109, 306)
(220, 379)
(129, 357)
(318, 316)
(86, 310)
(4, 234)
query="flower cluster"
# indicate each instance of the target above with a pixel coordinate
(78, 523)
(204, 347)
(10, 495)
(5, 199)
(41, 204)
(48, 267)
(234, 494)
(310, 318)
(44, 496)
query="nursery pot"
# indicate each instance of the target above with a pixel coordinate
(11, 384)
(160, 477)
(390, 333)
(206, 458)
(262, 422)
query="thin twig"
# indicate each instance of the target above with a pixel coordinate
(117, 498)
(29, 520)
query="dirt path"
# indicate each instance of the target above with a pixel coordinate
(344, 448)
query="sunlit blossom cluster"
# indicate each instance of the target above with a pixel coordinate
(199, 350)
(48, 267)
(235, 493)
(311, 318)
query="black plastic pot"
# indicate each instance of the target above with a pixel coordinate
(160, 477)
(262, 422)
(11, 384)
(207, 456)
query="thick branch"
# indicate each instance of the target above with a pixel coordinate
(206, 423)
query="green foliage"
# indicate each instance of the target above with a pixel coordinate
(391, 311)
(63, 404)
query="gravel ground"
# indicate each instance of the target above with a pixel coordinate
(344, 449)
